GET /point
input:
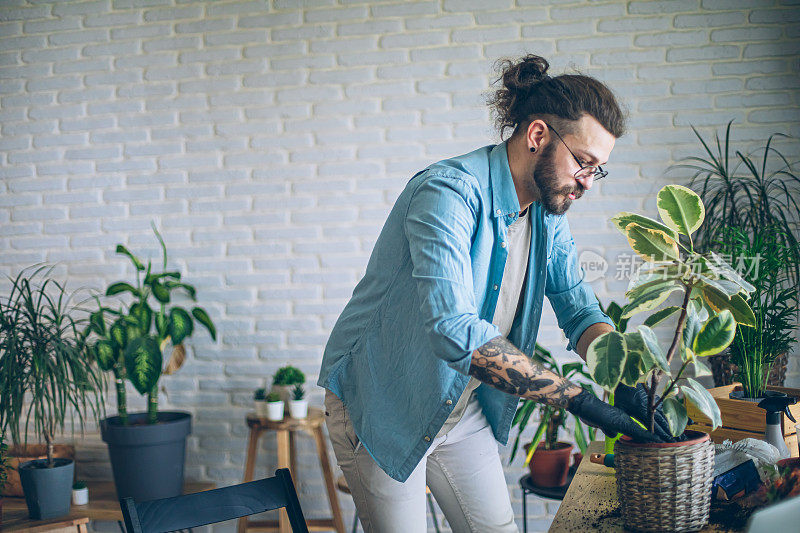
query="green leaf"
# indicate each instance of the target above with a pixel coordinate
(580, 437)
(621, 221)
(143, 362)
(675, 413)
(204, 319)
(632, 369)
(160, 292)
(153, 277)
(661, 315)
(719, 301)
(614, 312)
(570, 368)
(106, 355)
(122, 250)
(691, 327)
(119, 333)
(651, 341)
(729, 272)
(189, 289)
(162, 324)
(715, 335)
(649, 286)
(120, 287)
(143, 315)
(651, 245)
(703, 400)
(700, 368)
(180, 325)
(606, 359)
(680, 208)
(650, 299)
(97, 323)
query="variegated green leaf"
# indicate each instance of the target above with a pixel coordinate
(729, 272)
(650, 299)
(621, 221)
(691, 327)
(719, 301)
(715, 335)
(119, 333)
(703, 400)
(160, 292)
(143, 315)
(680, 208)
(700, 368)
(143, 362)
(661, 315)
(606, 359)
(135, 260)
(650, 244)
(106, 355)
(180, 325)
(675, 413)
(120, 287)
(202, 317)
(653, 347)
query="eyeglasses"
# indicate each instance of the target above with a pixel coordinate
(586, 170)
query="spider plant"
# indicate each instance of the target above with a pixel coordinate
(762, 258)
(551, 419)
(743, 191)
(45, 372)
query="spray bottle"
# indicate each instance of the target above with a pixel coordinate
(774, 406)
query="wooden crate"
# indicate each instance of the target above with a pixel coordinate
(741, 419)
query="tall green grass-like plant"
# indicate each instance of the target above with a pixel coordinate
(129, 341)
(551, 419)
(749, 191)
(763, 259)
(45, 372)
(713, 302)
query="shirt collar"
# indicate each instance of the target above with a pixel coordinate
(504, 195)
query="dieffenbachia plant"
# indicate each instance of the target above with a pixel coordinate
(714, 300)
(131, 346)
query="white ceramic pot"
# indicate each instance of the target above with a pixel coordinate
(275, 411)
(261, 408)
(80, 496)
(298, 409)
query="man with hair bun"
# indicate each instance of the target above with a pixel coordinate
(425, 366)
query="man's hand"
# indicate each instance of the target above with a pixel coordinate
(634, 402)
(609, 419)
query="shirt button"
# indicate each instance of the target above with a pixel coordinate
(498, 212)
(449, 402)
(495, 287)
(427, 438)
(502, 245)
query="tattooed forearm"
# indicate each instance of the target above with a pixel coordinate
(503, 366)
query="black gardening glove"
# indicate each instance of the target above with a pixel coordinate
(611, 420)
(634, 402)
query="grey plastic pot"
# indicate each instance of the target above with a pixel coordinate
(47, 490)
(147, 459)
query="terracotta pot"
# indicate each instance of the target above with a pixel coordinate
(22, 454)
(549, 468)
(665, 486)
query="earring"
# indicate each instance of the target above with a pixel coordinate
(533, 149)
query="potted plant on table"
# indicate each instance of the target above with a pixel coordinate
(46, 380)
(260, 402)
(741, 192)
(147, 450)
(547, 457)
(275, 407)
(667, 486)
(285, 378)
(298, 405)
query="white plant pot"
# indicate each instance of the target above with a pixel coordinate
(275, 411)
(261, 408)
(80, 496)
(298, 409)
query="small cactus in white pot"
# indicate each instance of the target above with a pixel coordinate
(260, 402)
(298, 405)
(274, 407)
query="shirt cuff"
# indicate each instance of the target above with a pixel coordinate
(592, 318)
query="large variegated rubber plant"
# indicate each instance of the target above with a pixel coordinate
(714, 298)
(130, 343)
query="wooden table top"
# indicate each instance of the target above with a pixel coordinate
(591, 501)
(103, 505)
(314, 420)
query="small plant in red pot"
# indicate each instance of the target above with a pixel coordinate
(547, 457)
(667, 486)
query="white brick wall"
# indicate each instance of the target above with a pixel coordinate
(268, 140)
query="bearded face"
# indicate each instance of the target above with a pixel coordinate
(553, 193)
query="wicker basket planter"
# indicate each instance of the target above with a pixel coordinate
(666, 486)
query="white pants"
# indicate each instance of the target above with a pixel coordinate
(462, 468)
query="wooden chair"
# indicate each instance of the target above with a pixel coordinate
(218, 505)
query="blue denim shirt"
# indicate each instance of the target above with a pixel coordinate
(402, 346)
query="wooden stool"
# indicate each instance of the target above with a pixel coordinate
(341, 484)
(285, 429)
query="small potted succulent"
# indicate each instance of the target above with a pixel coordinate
(275, 406)
(80, 493)
(298, 405)
(260, 402)
(667, 486)
(285, 378)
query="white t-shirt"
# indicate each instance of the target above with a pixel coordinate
(518, 244)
